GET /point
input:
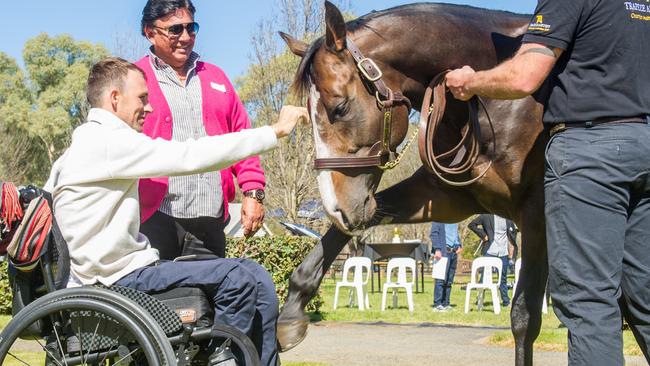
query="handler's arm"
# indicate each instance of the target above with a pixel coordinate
(516, 78)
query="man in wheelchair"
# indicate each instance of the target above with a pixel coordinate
(94, 186)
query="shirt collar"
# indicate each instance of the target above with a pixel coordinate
(159, 64)
(104, 117)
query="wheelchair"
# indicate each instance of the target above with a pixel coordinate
(94, 325)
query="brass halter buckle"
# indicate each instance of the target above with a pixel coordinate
(373, 65)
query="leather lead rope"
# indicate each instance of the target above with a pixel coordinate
(465, 154)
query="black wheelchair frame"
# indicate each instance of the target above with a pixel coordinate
(93, 325)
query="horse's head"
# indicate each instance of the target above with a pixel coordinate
(348, 120)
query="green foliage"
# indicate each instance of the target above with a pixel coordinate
(38, 111)
(280, 255)
(5, 290)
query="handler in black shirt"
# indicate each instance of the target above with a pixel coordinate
(597, 179)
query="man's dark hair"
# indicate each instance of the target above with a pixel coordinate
(156, 9)
(107, 73)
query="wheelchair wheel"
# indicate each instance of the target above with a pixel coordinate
(241, 345)
(84, 326)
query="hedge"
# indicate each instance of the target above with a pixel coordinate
(280, 255)
(5, 290)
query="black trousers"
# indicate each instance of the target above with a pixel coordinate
(597, 191)
(162, 231)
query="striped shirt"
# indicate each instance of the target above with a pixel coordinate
(196, 195)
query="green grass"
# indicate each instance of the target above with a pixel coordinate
(422, 308)
(556, 340)
(4, 320)
(31, 358)
(552, 336)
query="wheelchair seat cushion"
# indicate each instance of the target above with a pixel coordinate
(168, 319)
(190, 303)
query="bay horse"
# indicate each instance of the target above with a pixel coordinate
(411, 44)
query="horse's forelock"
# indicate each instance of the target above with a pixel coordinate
(301, 81)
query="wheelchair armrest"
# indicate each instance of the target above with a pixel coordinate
(195, 257)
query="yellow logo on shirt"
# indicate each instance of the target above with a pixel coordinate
(539, 25)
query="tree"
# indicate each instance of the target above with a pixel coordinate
(21, 154)
(40, 111)
(291, 180)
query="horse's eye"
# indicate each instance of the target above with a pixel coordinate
(340, 110)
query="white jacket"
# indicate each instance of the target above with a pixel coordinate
(95, 188)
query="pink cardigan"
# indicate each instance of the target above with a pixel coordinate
(223, 112)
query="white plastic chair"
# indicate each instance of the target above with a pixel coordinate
(359, 280)
(517, 269)
(402, 265)
(487, 263)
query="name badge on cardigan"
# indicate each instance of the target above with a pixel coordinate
(219, 87)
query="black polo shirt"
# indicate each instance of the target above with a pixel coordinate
(604, 71)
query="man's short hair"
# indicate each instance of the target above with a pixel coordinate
(156, 9)
(107, 73)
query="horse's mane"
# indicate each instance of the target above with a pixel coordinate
(302, 79)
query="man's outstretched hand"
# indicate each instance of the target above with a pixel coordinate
(289, 117)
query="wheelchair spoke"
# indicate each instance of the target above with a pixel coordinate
(58, 340)
(125, 356)
(49, 353)
(110, 349)
(17, 359)
(81, 344)
(92, 341)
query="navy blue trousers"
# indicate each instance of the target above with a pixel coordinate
(597, 190)
(242, 292)
(442, 289)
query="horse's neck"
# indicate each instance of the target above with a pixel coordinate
(413, 58)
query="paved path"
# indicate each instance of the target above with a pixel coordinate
(351, 344)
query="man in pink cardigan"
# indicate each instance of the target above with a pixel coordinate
(192, 99)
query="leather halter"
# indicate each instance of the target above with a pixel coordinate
(380, 153)
(466, 152)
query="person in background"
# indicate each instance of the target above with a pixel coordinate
(499, 239)
(192, 99)
(445, 242)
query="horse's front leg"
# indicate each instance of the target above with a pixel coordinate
(526, 314)
(416, 199)
(303, 286)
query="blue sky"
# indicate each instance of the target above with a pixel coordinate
(226, 25)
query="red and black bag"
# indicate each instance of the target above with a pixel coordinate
(30, 239)
(11, 212)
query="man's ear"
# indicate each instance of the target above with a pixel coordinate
(114, 96)
(149, 33)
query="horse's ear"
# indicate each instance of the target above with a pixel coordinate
(299, 48)
(335, 25)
